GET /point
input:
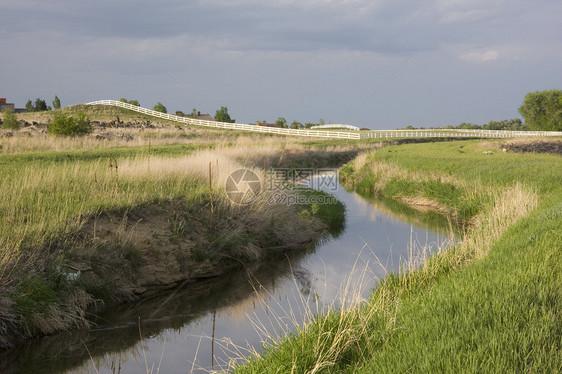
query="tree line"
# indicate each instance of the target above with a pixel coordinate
(514, 124)
(283, 123)
(541, 110)
(40, 105)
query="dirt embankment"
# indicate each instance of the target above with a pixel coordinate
(542, 145)
(159, 246)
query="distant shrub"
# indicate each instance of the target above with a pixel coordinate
(159, 107)
(132, 102)
(10, 121)
(65, 125)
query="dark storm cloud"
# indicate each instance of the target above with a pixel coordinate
(469, 55)
(381, 26)
(385, 27)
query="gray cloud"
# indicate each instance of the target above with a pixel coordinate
(287, 57)
(258, 25)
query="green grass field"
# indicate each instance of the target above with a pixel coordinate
(491, 303)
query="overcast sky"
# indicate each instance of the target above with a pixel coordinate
(380, 64)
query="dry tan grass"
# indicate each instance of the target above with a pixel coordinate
(509, 205)
(531, 140)
(360, 161)
(34, 139)
(47, 197)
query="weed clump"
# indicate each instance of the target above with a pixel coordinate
(10, 120)
(65, 125)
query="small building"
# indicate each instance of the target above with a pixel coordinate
(6, 105)
(198, 115)
(205, 117)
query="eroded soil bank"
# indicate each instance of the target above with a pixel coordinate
(127, 255)
(159, 246)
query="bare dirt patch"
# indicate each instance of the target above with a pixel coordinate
(542, 145)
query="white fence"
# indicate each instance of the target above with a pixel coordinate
(446, 133)
(336, 126)
(231, 126)
(379, 134)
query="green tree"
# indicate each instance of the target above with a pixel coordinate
(10, 120)
(194, 113)
(222, 115)
(159, 107)
(516, 124)
(132, 102)
(56, 102)
(62, 124)
(469, 126)
(494, 125)
(281, 122)
(309, 125)
(296, 125)
(40, 105)
(29, 106)
(542, 110)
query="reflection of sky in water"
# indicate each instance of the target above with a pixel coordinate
(372, 244)
(372, 240)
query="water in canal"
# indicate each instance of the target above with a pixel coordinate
(204, 325)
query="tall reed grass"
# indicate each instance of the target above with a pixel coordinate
(33, 139)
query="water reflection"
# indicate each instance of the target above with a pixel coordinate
(211, 322)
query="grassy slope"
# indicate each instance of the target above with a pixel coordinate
(502, 313)
(498, 314)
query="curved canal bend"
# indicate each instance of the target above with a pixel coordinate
(204, 325)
